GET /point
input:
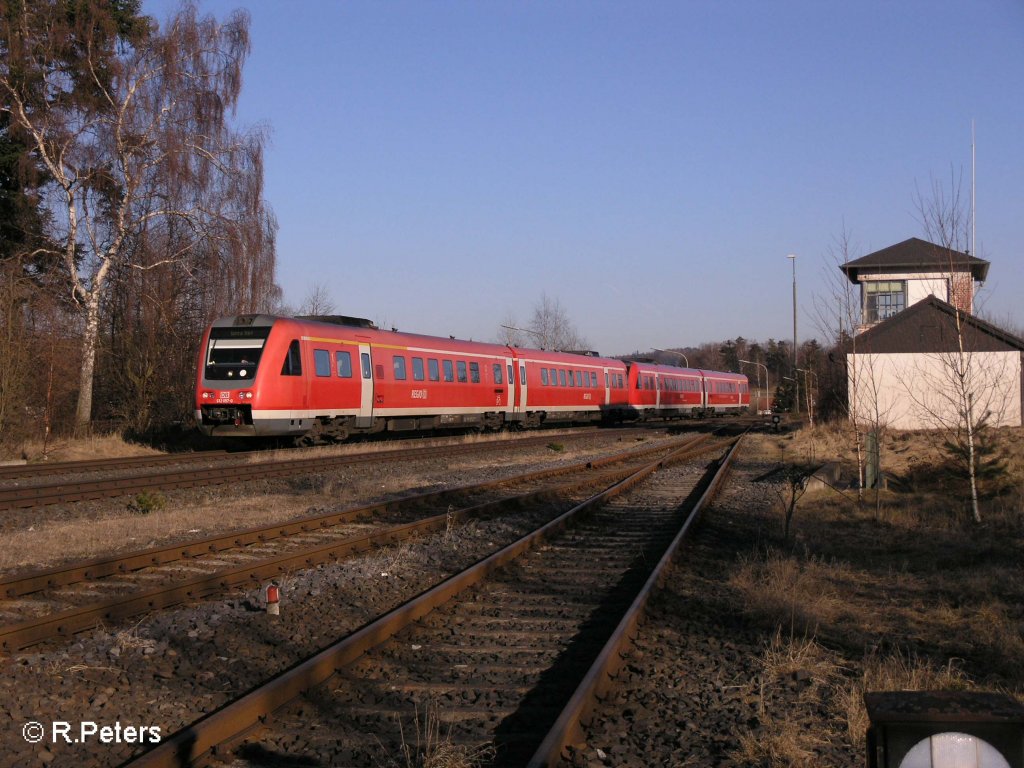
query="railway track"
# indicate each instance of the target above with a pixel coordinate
(56, 602)
(40, 490)
(59, 468)
(495, 651)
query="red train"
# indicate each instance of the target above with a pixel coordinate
(323, 379)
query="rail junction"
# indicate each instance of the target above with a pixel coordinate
(537, 624)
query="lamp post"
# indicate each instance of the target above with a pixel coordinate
(767, 386)
(796, 400)
(686, 362)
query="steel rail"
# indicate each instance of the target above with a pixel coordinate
(567, 729)
(68, 622)
(18, 584)
(83, 490)
(211, 736)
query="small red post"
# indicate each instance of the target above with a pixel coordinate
(273, 599)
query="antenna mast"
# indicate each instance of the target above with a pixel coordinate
(974, 226)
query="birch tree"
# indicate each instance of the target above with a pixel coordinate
(130, 124)
(551, 328)
(964, 396)
(838, 315)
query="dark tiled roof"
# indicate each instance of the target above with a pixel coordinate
(915, 254)
(930, 326)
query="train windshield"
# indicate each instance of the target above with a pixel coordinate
(234, 353)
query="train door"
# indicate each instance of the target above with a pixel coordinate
(607, 387)
(365, 417)
(293, 389)
(523, 402)
(510, 400)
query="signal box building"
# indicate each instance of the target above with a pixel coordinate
(901, 275)
(919, 351)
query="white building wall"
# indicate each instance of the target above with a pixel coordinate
(918, 290)
(918, 391)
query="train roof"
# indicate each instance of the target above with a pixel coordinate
(676, 370)
(568, 358)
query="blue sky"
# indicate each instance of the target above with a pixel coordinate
(437, 166)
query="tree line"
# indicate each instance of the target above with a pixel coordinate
(131, 209)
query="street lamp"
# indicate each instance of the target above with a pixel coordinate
(767, 386)
(686, 362)
(796, 400)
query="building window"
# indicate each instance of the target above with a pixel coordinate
(883, 299)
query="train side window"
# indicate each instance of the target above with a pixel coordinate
(579, 378)
(365, 357)
(544, 376)
(474, 373)
(461, 366)
(398, 362)
(571, 378)
(593, 378)
(322, 362)
(511, 376)
(433, 370)
(522, 375)
(417, 369)
(561, 377)
(449, 371)
(343, 363)
(498, 378)
(292, 360)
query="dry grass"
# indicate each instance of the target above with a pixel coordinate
(787, 591)
(783, 742)
(894, 672)
(52, 542)
(430, 744)
(912, 572)
(79, 449)
(784, 739)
